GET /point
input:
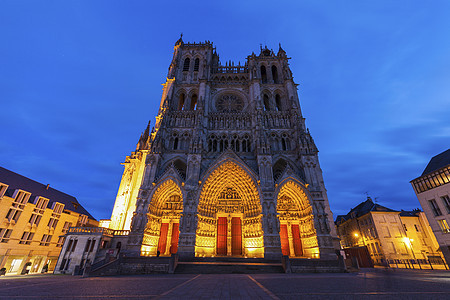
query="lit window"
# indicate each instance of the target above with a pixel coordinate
(444, 226)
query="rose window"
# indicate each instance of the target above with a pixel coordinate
(229, 103)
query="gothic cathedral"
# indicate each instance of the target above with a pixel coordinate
(229, 169)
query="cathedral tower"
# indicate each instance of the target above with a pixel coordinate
(229, 169)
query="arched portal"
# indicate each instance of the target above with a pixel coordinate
(162, 230)
(229, 214)
(297, 233)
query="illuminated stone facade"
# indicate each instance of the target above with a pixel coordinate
(433, 191)
(229, 168)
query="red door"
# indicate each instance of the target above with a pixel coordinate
(297, 241)
(163, 238)
(236, 236)
(222, 236)
(174, 241)
(284, 239)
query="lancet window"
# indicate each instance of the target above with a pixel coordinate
(278, 102)
(186, 64)
(235, 142)
(263, 74)
(196, 64)
(274, 74)
(194, 102)
(181, 101)
(266, 102)
(179, 141)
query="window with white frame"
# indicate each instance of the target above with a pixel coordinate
(26, 238)
(4, 235)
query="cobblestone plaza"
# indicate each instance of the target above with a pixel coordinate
(373, 284)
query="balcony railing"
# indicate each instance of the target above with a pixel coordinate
(97, 230)
(230, 69)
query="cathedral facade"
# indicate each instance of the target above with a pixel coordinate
(229, 169)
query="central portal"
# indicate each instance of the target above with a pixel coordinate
(229, 215)
(229, 236)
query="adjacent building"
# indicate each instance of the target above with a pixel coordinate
(433, 191)
(33, 220)
(389, 235)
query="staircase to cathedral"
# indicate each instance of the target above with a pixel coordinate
(228, 265)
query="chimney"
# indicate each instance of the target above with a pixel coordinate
(48, 185)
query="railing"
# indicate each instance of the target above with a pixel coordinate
(229, 121)
(430, 263)
(181, 119)
(97, 230)
(277, 120)
(230, 69)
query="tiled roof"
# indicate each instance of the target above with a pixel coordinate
(439, 161)
(362, 209)
(16, 181)
(410, 213)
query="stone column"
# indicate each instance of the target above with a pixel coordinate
(290, 239)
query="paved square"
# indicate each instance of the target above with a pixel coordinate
(367, 284)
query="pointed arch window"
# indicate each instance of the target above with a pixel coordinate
(274, 74)
(266, 103)
(263, 74)
(175, 144)
(186, 65)
(196, 64)
(181, 102)
(278, 102)
(194, 102)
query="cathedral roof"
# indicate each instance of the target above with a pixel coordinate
(439, 161)
(16, 181)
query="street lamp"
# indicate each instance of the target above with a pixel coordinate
(412, 249)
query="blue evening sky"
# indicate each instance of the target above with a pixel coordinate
(79, 81)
